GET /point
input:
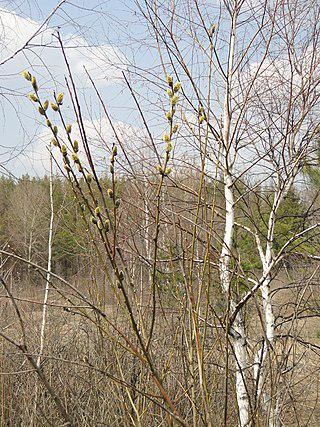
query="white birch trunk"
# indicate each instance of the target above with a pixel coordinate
(238, 338)
(237, 332)
(46, 292)
(267, 259)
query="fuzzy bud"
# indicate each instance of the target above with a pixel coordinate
(169, 147)
(169, 79)
(159, 169)
(68, 129)
(63, 150)
(26, 75)
(93, 220)
(75, 146)
(99, 223)
(48, 123)
(67, 168)
(114, 150)
(97, 210)
(60, 98)
(110, 192)
(33, 97)
(41, 111)
(169, 115)
(111, 169)
(107, 225)
(166, 137)
(45, 105)
(75, 158)
(177, 87)
(175, 128)
(169, 92)
(174, 100)
(89, 178)
(54, 142)
(117, 203)
(54, 106)
(201, 119)
(55, 130)
(34, 83)
(167, 171)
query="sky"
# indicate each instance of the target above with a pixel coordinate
(107, 37)
(95, 38)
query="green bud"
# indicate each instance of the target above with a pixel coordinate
(174, 100)
(41, 111)
(107, 225)
(169, 79)
(175, 128)
(75, 158)
(177, 87)
(66, 160)
(60, 98)
(68, 129)
(169, 147)
(34, 83)
(54, 106)
(48, 123)
(167, 171)
(33, 97)
(159, 169)
(45, 105)
(75, 146)
(63, 150)
(166, 137)
(201, 119)
(93, 220)
(169, 115)
(54, 142)
(117, 203)
(26, 75)
(89, 178)
(55, 130)
(169, 92)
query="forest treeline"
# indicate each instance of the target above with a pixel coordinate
(25, 219)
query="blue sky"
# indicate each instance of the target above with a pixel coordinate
(95, 37)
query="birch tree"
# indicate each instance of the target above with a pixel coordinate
(260, 107)
(176, 321)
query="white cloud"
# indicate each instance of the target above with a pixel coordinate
(104, 62)
(36, 158)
